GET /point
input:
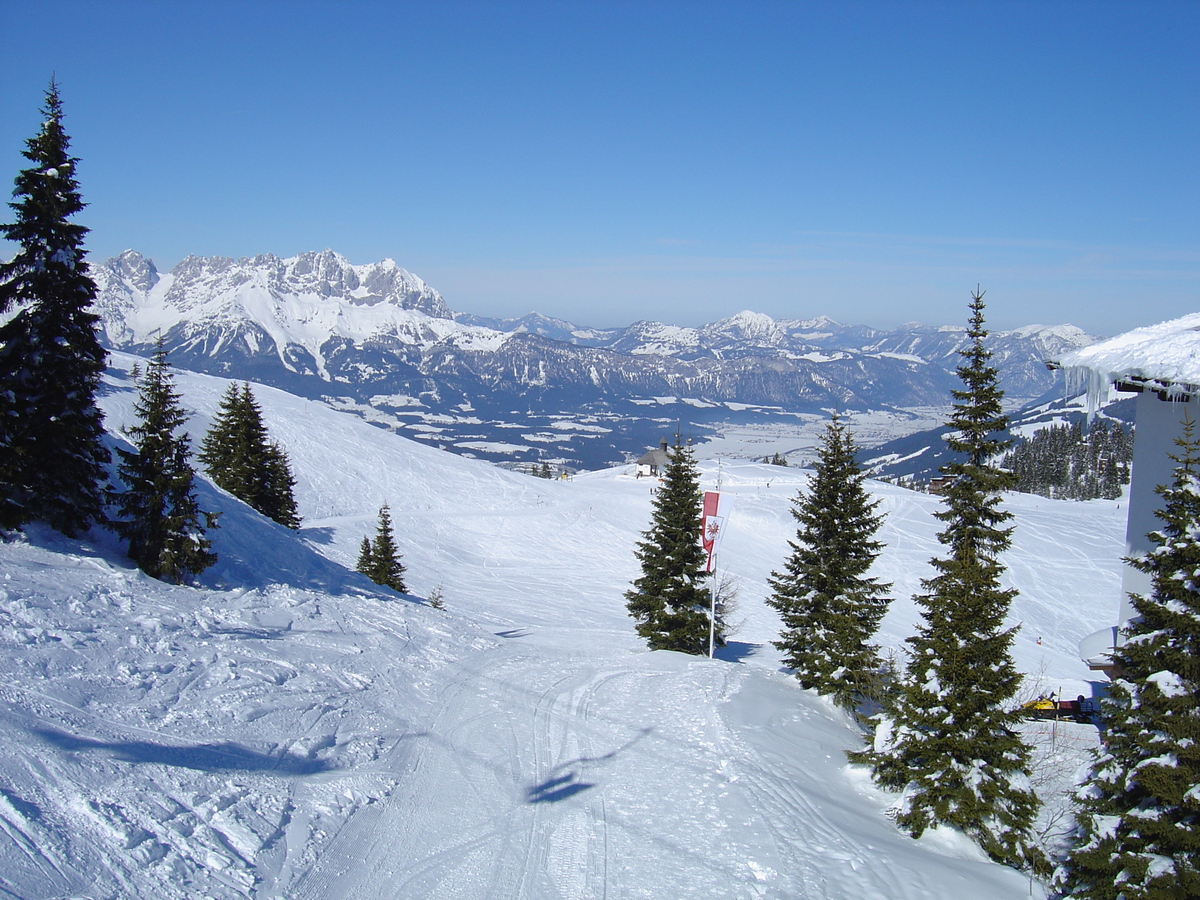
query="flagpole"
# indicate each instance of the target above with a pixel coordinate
(712, 613)
(712, 528)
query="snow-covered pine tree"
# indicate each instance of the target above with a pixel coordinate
(379, 559)
(669, 601)
(829, 606)
(240, 458)
(157, 511)
(52, 455)
(1139, 813)
(948, 736)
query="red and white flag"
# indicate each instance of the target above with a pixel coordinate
(712, 523)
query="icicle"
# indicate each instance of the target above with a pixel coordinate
(1086, 380)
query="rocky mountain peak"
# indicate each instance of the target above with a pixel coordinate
(751, 326)
(132, 267)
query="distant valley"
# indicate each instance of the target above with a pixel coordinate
(376, 340)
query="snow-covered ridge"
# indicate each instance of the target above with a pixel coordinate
(303, 301)
(308, 300)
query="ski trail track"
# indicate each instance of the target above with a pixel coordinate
(487, 802)
(539, 776)
(506, 790)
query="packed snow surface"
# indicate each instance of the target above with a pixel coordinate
(286, 729)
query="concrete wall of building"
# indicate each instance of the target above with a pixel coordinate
(1159, 424)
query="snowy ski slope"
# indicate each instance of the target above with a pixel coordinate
(285, 729)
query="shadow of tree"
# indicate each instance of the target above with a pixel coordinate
(318, 535)
(225, 756)
(736, 651)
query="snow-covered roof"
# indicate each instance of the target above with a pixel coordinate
(1164, 357)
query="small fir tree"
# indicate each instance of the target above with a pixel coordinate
(1139, 814)
(829, 606)
(278, 495)
(240, 458)
(364, 557)
(669, 601)
(948, 736)
(52, 451)
(222, 450)
(158, 512)
(379, 559)
(437, 598)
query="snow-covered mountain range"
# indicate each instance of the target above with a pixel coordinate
(378, 340)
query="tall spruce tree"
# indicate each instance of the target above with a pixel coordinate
(829, 606)
(379, 559)
(1139, 814)
(158, 512)
(948, 736)
(669, 601)
(239, 456)
(52, 455)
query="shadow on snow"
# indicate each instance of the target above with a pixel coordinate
(225, 756)
(736, 651)
(556, 789)
(560, 787)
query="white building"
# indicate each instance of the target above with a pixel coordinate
(1160, 363)
(653, 462)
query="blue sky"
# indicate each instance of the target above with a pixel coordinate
(612, 161)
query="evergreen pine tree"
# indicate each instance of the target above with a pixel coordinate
(240, 458)
(1061, 461)
(278, 496)
(52, 455)
(158, 512)
(219, 449)
(364, 558)
(1140, 812)
(379, 559)
(829, 607)
(669, 601)
(948, 736)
